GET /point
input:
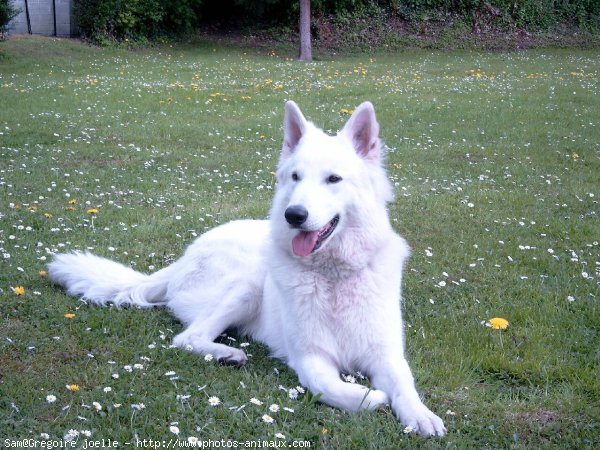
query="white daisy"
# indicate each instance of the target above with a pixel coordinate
(268, 419)
(71, 435)
(349, 378)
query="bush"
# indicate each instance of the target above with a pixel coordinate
(101, 20)
(360, 29)
(526, 14)
(7, 13)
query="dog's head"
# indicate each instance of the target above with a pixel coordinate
(326, 184)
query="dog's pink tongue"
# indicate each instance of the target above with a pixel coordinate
(304, 242)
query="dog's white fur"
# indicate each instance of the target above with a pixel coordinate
(322, 310)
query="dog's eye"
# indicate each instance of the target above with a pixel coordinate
(295, 176)
(334, 179)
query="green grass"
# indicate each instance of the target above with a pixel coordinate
(495, 157)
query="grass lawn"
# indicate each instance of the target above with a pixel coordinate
(496, 162)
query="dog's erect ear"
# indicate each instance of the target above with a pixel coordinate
(294, 126)
(363, 131)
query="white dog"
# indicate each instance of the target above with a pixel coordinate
(319, 283)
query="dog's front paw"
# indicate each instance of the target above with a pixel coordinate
(421, 420)
(224, 354)
(375, 399)
(234, 358)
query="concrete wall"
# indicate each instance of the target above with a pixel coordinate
(41, 15)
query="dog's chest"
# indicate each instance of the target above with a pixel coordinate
(344, 320)
(340, 307)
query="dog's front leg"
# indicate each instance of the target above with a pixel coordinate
(393, 376)
(322, 378)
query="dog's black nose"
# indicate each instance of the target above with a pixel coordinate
(296, 215)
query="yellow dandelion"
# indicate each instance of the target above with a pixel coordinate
(19, 290)
(72, 201)
(69, 315)
(48, 215)
(73, 387)
(498, 323)
(42, 273)
(92, 211)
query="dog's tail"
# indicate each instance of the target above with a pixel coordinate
(101, 281)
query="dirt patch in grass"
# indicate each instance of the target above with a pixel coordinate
(541, 417)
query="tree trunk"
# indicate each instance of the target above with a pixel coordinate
(305, 44)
